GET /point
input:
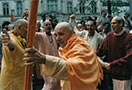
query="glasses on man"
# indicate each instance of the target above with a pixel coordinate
(114, 22)
(47, 24)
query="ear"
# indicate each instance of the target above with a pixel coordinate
(19, 26)
(121, 24)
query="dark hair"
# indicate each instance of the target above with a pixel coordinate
(43, 15)
(92, 21)
(104, 10)
(106, 23)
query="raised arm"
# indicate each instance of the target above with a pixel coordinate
(7, 41)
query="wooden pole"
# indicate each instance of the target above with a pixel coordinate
(30, 41)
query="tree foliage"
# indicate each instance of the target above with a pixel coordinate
(116, 2)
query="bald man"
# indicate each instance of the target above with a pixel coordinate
(77, 67)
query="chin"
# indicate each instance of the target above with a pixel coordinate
(61, 46)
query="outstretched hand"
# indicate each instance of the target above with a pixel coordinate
(5, 37)
(72, 16)
(33, 56)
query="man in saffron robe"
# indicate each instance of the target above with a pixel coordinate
(78, 68)
(12, 71)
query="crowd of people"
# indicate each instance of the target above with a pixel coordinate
(74, 55)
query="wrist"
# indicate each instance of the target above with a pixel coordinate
(43, 60)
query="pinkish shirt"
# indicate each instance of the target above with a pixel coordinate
(48, 46)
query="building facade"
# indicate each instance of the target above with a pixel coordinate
(62, 9)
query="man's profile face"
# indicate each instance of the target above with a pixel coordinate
(22, 29)
(115, 25)
(62, 36)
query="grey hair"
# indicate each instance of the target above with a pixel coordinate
(22, 21)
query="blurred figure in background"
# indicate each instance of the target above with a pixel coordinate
(127, 21)
(99, 28)
(80, 27)
(52, 18)
(25, 15)
(72, 21)
(11, 27)
(38, 27)
(106, 29)
(102, 19)
(43, 18)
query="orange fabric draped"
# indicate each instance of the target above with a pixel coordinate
(84, 70)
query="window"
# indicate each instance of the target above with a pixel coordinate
(69, 7)
(93, 6)
(19, 8)
(52, 5)
(82, 7)
(5, 9)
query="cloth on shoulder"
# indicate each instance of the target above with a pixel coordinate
(84, 70)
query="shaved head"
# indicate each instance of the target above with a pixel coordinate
(47, 27)
(63, 33)
(46, 21)
(115, 18)
(64, 25)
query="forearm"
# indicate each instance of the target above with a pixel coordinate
(57, 67)
(101, 62)
(122, 60)
(51, 65)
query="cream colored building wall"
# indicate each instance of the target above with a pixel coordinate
(62, 8)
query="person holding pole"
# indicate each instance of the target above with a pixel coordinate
(78, 67)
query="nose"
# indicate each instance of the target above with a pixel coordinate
(88, 27)
(112, 25)
(57, 37)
